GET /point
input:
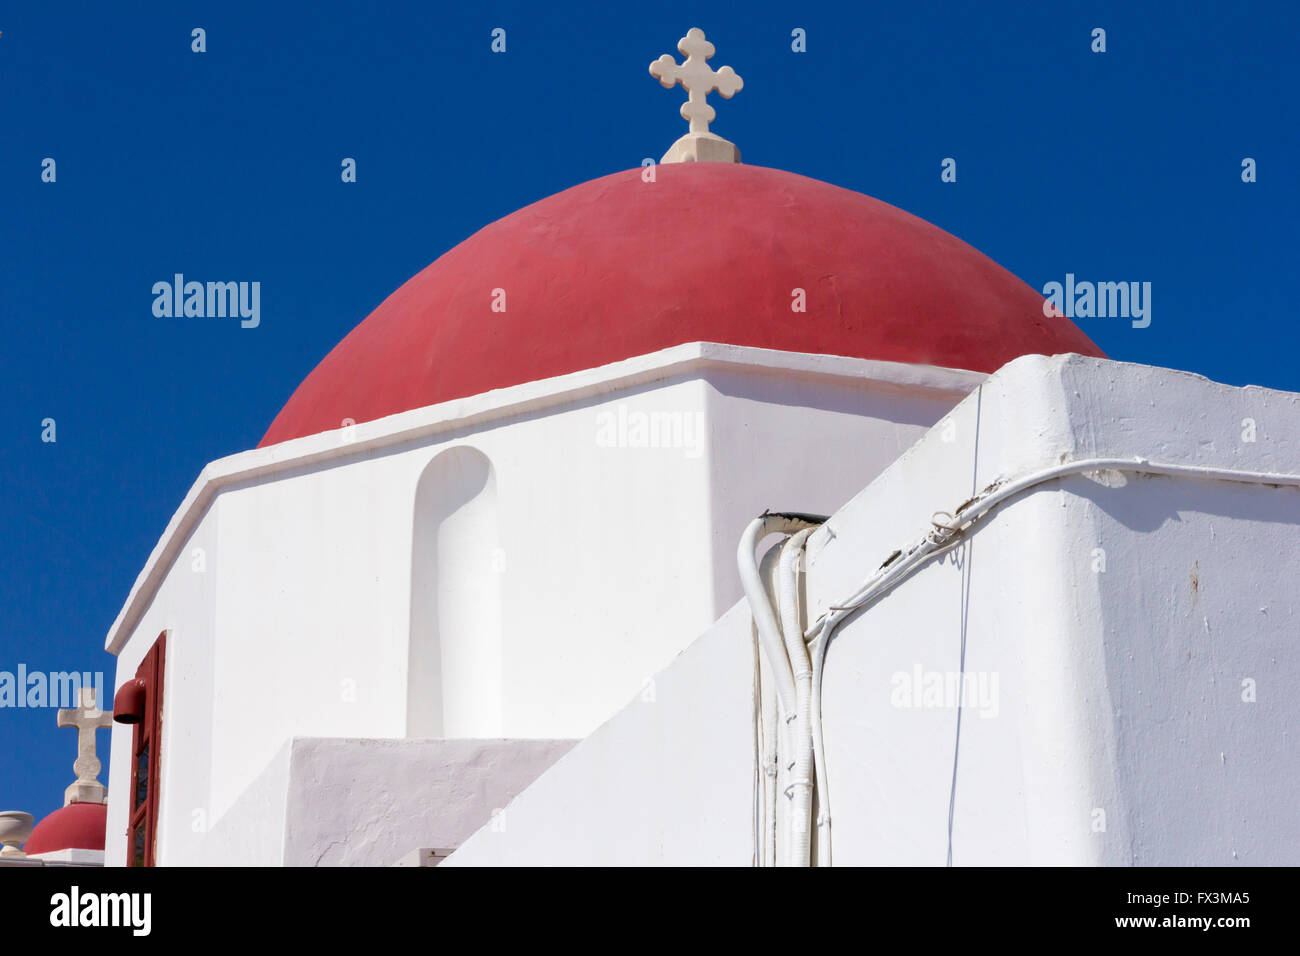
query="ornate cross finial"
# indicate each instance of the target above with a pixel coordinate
(699, 80)
(87, 719)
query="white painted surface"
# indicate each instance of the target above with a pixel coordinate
(1119, 692)
(688, 360)
(249, 833)
(668, 780)
(369, 802)
(60, 858)
(185, 767)
(350, 802)
(455, 688)
(1106, 719)
(610, 559)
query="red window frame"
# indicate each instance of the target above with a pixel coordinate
(142, 819)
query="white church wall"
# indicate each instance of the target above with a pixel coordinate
(1134, 711)
(669, 780)
(1031, 752)
(185, 607)
(604, 555)
(310, 616)
(606, 564)
(1199, 599)
(1104, 720)
(370, 802)
(801, 443)
(250, 832)
(363, 802)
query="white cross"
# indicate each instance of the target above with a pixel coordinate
(698, 79)
(87, 719)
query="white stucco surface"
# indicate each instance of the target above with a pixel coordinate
(370, 802)
(1121, 729)
(1127, 645)
(59, 858)
(667, 780)
(357, 802)
(1100, 674)
(342, 585)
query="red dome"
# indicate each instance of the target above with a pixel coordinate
(710, 252)
(78, 826)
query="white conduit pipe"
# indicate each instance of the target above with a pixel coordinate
(760, 604)
(800, 789)
(776, 734)
(946, 535)
(770, 632)
(819, 752)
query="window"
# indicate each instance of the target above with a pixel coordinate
(142, 828)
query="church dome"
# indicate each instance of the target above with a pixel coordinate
(77, 826)
(708, 252)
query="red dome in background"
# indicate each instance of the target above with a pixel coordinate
(710, 252)
(78, 826)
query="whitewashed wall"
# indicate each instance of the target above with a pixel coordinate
(669, 779)
(1116, 732)
(608, 559)
(357, 802)
(188, 596)
(1139, 714)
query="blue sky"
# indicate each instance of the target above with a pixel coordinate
(225, 165)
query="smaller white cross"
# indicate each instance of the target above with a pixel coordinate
(87, 719)
(697, 77)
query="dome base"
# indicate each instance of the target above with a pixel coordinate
(702, 148)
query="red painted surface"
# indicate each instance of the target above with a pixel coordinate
(78, 826)
(710, 252)
(129, 702)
